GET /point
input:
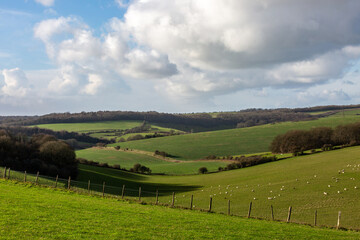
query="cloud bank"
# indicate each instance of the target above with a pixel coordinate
(202, 49)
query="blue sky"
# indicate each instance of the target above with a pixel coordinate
(177, 56)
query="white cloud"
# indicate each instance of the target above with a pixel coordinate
(46, 3)
(201, 49)
(236, 34)
(15, 83)
(95, 82)
(228, 46)
(80, 55)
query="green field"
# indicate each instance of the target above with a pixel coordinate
(129, 158)
(29, 212)
(233, 141)
(104, 129)
(90, 126)
(299, 182)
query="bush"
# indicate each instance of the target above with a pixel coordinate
(203, 170)
(138, 168)
(135, 137)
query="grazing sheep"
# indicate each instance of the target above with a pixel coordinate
(325, 193)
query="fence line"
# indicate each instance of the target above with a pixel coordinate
(123, 192)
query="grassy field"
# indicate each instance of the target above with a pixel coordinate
(90, 126)
(129, 158)
(105, 129)
(233, 141)
(29, 212)
(300, 182)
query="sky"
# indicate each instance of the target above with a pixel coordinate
(177, 56)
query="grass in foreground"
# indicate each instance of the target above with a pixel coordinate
(29, 212)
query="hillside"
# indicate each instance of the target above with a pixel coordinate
(234, 141)
(32, 212)
(299, 182)
(127, 159)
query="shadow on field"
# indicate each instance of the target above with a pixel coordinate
(115, 179)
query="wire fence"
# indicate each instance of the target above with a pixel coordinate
(159, 198)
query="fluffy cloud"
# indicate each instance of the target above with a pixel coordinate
(46, 3)
(229, 46)
(235, 34)
(83, 60)
(15, 83)
(206, 48)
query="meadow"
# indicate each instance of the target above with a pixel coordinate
(234, 141)
(61, 214)
(127, 159)
(307, 183)
(104, 129)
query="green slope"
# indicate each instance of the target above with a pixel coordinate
(29, 212)
(299, 182)
(129, 158)
(234, 141)
(90, 126)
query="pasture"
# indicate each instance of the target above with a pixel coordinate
(307, 183)
(127, 159)
(31, 212)
(105, 129)
(234, 141)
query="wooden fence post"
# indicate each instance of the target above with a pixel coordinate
(103, 195)
(289, 214)
(89, 184)
(210, 205)
(249, 212)
(56, 180)
(123, 192)
(139, 193)
(37, 178)
(315, 218)
(272, 213)
(228, 207)
(338, 221)
(69, 182)
(173, 200)
(4, 175)
(191, 202)
(25, 176)
(157, 197)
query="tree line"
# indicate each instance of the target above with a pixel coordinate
(40, 152)
(298, 141)
(185, 122)
(65, 135)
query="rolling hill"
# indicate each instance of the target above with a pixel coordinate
(30, 212)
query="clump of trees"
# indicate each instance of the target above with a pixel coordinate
(138, 168)
(161, 153)
(41, 152)
(98, 164)
(298, 141)
(203, 170)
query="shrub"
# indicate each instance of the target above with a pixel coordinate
(203, 170)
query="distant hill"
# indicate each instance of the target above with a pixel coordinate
(190, 122)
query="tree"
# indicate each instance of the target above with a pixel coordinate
(203, 170)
